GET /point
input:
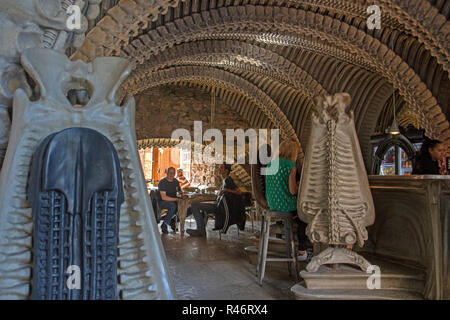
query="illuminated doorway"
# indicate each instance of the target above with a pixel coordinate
(156, 160)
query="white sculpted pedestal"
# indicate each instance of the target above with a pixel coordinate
(334, 195)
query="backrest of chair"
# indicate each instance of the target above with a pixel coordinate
(158, 196)
(222, 204)
(155, 197)
(247, 198)
(259, 186)
(259, 181)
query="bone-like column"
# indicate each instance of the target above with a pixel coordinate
(334, 195)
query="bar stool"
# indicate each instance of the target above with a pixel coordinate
(288, 219)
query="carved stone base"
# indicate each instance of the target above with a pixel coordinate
(337, 255)
(302, 293)
(348, 282)
(392, 276)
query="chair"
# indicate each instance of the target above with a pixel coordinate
(291, 256)
(155, 196)
(249, 207)
(250, 211)
(259, 191)
(222, 204)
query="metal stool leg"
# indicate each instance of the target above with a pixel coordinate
(265, 247)
(252, 217)
(287, 236)
(294, 252)
(261, 249)
(177, 223)
(261, 241)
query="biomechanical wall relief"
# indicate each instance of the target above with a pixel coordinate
(334, 195)
(141, 264)
(33, 24)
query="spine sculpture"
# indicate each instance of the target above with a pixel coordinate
(334, 195)
(142, 271)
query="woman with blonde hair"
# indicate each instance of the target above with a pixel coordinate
(282, 189)
(289, 149)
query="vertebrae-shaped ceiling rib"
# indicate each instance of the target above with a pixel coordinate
(136, 11)
(127, 18)
(236, 56)
(426, 23)
(229, 53)
(355, 41)
(225, 79)
(302, 25)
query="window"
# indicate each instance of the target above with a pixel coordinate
(185, 163)
(396, 161)
(146, 157)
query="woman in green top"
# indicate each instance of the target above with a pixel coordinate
(282, 189)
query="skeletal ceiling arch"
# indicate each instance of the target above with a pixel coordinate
(223, 79)
(327, 8)
(230, 53)
(128, 18)
(389, 65)
(325, 24)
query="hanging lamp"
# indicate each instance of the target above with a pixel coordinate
(213, 106)
(394, 129)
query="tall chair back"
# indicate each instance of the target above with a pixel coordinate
(259, 186)
(155, 197)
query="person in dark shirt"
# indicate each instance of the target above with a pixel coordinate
(201, 210)
(168, 187)
(426, 161)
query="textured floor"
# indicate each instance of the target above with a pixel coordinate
(210, 269)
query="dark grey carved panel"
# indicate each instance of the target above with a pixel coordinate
(76, 192)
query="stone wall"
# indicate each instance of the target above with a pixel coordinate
(161, 110)
(204, 174)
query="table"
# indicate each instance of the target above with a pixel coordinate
(185, 202)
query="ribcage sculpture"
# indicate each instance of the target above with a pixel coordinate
(334, 195)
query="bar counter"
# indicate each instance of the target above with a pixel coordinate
(411, 226)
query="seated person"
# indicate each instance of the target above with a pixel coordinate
(184, 183)
(168, 187)
(201, 210)
(427, 160)
(282, 189)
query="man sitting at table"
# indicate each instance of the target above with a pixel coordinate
(168, 187)
(201, 210)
